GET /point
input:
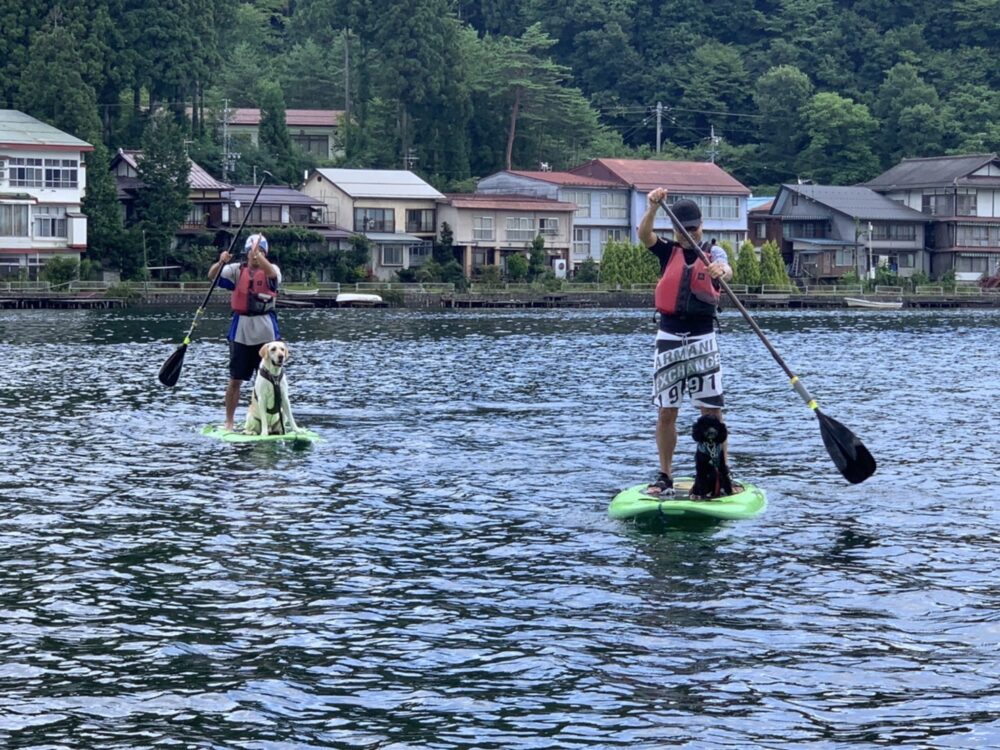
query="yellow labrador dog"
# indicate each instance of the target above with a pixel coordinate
(270, 412)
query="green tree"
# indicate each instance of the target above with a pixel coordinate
(840, 136)
(909, 114)
(60, 270)
(274, 138)
(517, 267)
(537, 263)
(624, 263)
(779, 95)
(587, 272)
(746, 270)
(162, 202)
(443, 251)
(772, 267)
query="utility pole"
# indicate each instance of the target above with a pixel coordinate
(410, 157)
(347, 86)
(225, 139)
(714, 139)
(871, 268)
(659, 125)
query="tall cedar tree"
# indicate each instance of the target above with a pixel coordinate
(162, 203)
(51, 88)
(274, 137)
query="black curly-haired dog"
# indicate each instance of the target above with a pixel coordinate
(711, 477)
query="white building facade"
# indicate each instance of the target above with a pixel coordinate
(43, 178)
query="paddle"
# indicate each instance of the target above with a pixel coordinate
(848, 453)
(171, 369)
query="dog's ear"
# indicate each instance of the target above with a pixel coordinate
(263, 352)
(288, 352)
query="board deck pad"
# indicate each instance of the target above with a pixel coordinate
(238, 436)
(633, 502)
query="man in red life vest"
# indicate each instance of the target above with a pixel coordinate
(254, 283)
(687, 353)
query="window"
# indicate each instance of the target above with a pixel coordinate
(196, 215)
(980, 235)
(13, 220)
(582, 200)
(374, 220)
(844, 257)
(613, 206)
(520, 229)
(50, 221)
(60, 173)
(548, 227)
(581, 242)
(972, 264)
(713, 206)
(949, 202)
(419, 254)
(760, 230)
(907, 260)
(612, 235)
(392, 255)
(26, 173)
(313, 144)
(266, 215)
(420, 220)
(894, 232)
(482, 228)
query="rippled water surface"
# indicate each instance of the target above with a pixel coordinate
(441, 572)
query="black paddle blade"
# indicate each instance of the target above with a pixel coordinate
(171, 369)
(848, 453)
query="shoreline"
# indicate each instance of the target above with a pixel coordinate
(506, 299)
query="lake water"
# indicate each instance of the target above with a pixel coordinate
(441, 572)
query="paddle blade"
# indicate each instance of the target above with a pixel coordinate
(171, 369)
(848, 453)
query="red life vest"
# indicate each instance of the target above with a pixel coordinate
(686, 289)
(252, 281)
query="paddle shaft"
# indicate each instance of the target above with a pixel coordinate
(218, 274)
(796, 383)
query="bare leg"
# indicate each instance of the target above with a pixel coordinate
(232, 399)
(666, 441)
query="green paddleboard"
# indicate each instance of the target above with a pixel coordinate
(238, 436)
(635, 503)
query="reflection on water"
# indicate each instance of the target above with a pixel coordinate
(441, 572)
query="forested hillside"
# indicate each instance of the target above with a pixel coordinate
(819, 89)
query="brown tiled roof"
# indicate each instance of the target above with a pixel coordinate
(198, 179)
(763, 208)
(507, 202)
(569, 179)
(675, 176)
(293, 117)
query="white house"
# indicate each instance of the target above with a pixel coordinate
(487, 229)
(42, 180)
(393, 208)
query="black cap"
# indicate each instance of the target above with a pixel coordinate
(687, 212)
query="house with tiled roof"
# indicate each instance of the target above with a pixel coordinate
(315, 131)
(393, 208)
(961, 196)
(829, 231)
(280, 206)
(488, 228)
(601, 205)
(207, 194)
(721, 197)
(43, 179)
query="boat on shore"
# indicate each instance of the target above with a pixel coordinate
(301, 292)
(354, 299)
(872, 304)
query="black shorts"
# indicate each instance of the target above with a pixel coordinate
(243, 360)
